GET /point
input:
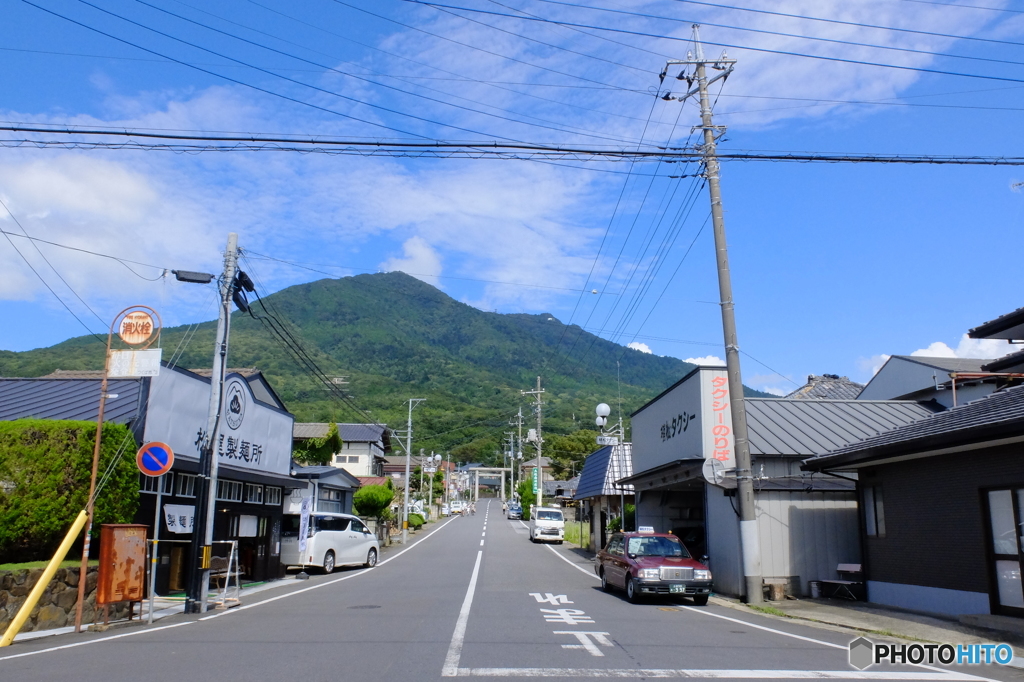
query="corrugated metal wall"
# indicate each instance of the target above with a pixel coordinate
(806, 534)
(723, 528)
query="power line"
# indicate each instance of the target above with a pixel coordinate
(950, 4)
(122, 261)
(45, 283)
(787, 53)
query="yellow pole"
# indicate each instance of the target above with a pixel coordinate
(44, 580)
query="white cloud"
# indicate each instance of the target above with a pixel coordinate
(642, 347)
(870, 366)
(967, 348)
(420, 261)
(713, 360)
(774, 390)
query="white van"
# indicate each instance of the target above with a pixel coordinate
(546, 524)
(331, 540)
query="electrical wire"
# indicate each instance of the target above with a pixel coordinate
(46, 284)
(787, 53)
(122, 261)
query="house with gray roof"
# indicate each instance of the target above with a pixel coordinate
(364, 447)
(685, 476)
(599, 490)
(947, 381)
(827, 387)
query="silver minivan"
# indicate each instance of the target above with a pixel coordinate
(331, 540)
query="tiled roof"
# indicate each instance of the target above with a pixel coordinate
(68, 399)
(778, 426)
(351, 433)
(1008, 326)
(603, 468)
(372, 480)
(244, 371)
(827, 387)
(997, 415)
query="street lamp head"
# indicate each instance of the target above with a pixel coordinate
(601, 421)
(193, 277)
(603, 410)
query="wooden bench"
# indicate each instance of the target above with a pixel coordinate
(219, 572)
(849, 580)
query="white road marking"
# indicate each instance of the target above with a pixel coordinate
(451, 661)
(585, 642)
(567, 616)
(549, 598)
(240, 608)
(481, 543)
(647, 673)
(93, 641)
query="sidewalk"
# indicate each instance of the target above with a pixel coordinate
(890, 623)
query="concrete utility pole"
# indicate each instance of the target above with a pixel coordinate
(413, 402)
(206, 499)
(751, 548)
(538, 406)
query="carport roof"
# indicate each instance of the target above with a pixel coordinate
(603, 468)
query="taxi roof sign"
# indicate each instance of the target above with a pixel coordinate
(646, 529)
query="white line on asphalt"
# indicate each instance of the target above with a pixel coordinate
(240, 608)
(451, 661)
(481, 543)
(646, 673)
(580, 568)
(93, 641)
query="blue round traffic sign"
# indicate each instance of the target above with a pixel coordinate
(155, 459)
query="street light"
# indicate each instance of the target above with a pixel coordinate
(434, 461)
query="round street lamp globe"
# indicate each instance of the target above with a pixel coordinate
(601, 421)
(603, 410)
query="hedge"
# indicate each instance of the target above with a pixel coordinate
(416, 520)
(44, 482)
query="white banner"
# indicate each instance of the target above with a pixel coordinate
(179, 517)
(304, 509)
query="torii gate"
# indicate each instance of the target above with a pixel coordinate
(488, 470)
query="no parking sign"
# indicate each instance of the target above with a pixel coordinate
(155, 459)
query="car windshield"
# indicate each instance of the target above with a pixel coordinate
(548, 515)
(657, 546)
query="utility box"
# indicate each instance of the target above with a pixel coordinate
(122, 574)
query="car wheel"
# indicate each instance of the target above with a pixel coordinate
(632, 593)
(329, 562)
(605, 585)
(371, 558)
(700, 600)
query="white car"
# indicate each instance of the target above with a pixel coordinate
(445, 511)
(547, 525)
(331, 540)
(457, 506)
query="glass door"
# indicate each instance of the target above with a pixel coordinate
(1007, 539)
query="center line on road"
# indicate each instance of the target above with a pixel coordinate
(451, 661)
(481, 543)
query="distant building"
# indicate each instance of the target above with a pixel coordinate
(827, 387)
(598, 489)
(364, 447)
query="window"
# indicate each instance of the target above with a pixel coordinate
(272, 496)
(186, 485)
(874, 511)
(229, 491)
(358, 527)
(330, 501)
(253, 493)
(331, 523)
(152, 484)
(353, 459)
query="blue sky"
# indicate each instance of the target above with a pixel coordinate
(834, 265)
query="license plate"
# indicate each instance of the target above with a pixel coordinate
(676, 588)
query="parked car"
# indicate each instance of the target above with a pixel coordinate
(547, 524)
(445, 511)
(457, 506)
(331, 540)
(514, 511)
(652, 564)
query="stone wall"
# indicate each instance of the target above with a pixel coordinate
(56, 608)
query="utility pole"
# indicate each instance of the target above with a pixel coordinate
(413, 402)
(751, 549)
(206, 498)
(537, 406)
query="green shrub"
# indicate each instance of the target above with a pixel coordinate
(526, 497)
(44, 482)
(374, 501)
(416, 520)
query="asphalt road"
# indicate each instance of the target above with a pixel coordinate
(471, 598)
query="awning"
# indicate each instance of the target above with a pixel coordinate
(682, 474)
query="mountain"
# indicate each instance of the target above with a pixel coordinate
(395, 337)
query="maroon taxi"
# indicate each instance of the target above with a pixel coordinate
(652, 564)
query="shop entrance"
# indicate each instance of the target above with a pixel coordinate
(1006, 532)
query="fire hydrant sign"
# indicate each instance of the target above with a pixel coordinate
(155, 459)
(126, 364)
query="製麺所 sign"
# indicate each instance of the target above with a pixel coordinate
(179, 517)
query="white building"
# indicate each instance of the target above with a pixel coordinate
(363, 446)
(683, 453)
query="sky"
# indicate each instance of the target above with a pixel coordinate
(835, 266)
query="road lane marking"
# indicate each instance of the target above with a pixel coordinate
(93, 641)
(549, 598)
(590, 645)
(451, 661)
(647, 673)
(234, 610)
(481, 543)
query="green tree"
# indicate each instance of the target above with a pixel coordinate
(318, 451)
(45, 466)
(374, 501)
(526, 497)
(568, 452)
